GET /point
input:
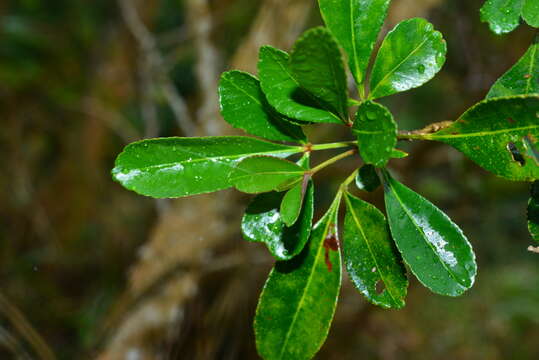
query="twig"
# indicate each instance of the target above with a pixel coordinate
(207, 68)
(429, 129)
(19, 322)
(155, 61)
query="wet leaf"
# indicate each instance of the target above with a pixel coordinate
(317, 65)
(176, 167)
(263, 222)
(376, 133)
(356, 25)
(298, 302)
(283, 91)
(244, 106)
(410, 55)
(259, 174)
(503, 16)
(533, 212)
(372, 261)
(432, 245)
(530, 12)
(521, 79)
(367, 179)
(500, 135)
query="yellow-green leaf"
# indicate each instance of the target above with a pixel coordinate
(259, 174)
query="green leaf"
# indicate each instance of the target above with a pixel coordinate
(500, 135)
(298, 302)
(533, 212)
(293, 200)
(259, 174)
(434, 247)
(372, 261)
(530, 12)
(244, 106)
(503, 16)
(283, 91)
(356, 25)
(521, 79)
(317, 64)
(263, 222)
(376, 133)
(398, 154)
(410, 55)
(175, 167)
(367, 179)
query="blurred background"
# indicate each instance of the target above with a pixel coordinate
(90, 270)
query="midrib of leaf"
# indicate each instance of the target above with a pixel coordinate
(530, 69)
(398, 65)
(249, 174)
(214, 158)
(370, 249)
(406, 210)
(335, 83)
(352, 31)
(367, 132)
(480, 133)
(302, 299)
(305, 92)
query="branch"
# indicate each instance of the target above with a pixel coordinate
(19, 322)
(423, 133)
(155, 61)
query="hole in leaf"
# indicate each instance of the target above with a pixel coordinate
(515, 153)
(380, 287)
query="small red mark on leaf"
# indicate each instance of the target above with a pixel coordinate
(330, 243)
(511, 121)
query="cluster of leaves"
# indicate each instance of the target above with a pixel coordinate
(503, 16)
(309, 86)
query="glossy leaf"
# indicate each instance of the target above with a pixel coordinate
(298, 302)
(503, 16)
(244, 106)
(367, 179)
(317, 64)
(263, 222)
(500, 135)
(411, 54)
(283, 91)
(372, 261)
(530, 12)
(533, 212)
(259, 174)
(434, 247)
(376, 133)
(356, 25)
(176, 167)
(521, 79)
